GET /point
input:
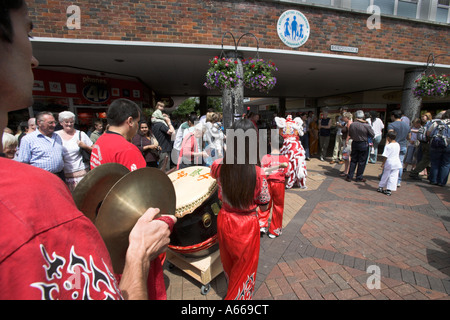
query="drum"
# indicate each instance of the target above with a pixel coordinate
(197, 207)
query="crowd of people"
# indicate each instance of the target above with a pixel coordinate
(201, 141)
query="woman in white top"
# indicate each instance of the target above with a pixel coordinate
(377, 126)
(73, 141)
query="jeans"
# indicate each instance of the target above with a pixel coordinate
(324, 142)
(373, 156)
(402, 157)
(360, 150)
(305, 143)
(440, 165)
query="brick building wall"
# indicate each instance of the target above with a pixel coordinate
(204, 22)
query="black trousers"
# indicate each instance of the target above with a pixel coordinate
(360, 152)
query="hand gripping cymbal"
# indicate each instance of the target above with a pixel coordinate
(93, 188)
(126, 202)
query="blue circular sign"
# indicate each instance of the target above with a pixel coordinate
(293, 28)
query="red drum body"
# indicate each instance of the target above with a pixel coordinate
(195, 233)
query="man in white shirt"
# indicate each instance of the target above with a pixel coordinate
(43, 147)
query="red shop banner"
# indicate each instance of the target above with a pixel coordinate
(87, 89)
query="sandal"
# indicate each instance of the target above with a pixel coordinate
(387, 192)
(380, 189)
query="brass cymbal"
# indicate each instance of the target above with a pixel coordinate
(126, 202)
(93, 188)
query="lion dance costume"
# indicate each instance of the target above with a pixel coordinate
(291, 130)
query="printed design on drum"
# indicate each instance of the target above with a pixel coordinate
(197, 172)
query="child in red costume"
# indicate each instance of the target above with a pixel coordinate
(276, 169)
(242, 188)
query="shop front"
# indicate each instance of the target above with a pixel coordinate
(86, 95)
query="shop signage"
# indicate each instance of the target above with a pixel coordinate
(95, 90)
(344, 49)
(89, 89)
(95, 93)
(293, 28)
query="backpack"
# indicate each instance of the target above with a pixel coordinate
(422, 134)
(440, 136)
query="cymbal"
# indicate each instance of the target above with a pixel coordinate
(92, 189)
(126, 202)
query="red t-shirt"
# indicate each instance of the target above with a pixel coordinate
(112, 147)
(48, 248)
(273, 160)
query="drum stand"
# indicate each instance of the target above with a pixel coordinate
(203, 269)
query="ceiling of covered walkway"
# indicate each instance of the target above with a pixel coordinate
(179, 70)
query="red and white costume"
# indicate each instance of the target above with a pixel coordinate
(291, 130)
(113, 147)
(239, 238)
(276, 180)
(49, 249)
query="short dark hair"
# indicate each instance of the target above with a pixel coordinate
(192, 118)
(397, 114)
(119, 111)
(6, 30)
(391, 135)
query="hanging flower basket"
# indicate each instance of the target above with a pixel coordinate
(258, 75)
(432, 86)
(222, 74)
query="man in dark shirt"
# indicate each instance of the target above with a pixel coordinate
(324, 134)
(161, 132)
(359, 130)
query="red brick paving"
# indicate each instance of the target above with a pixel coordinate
(331, 281)
(340, 229)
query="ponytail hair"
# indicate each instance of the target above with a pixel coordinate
(237, 177)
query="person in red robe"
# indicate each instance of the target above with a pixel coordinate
(275, 166)
(242, 188)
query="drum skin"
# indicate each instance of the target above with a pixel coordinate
(195, 234)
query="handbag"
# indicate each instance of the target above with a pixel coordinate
(86, 155)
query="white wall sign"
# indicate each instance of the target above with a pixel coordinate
(344, 49)
(293, 28)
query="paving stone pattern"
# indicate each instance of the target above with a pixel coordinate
(338, 235)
